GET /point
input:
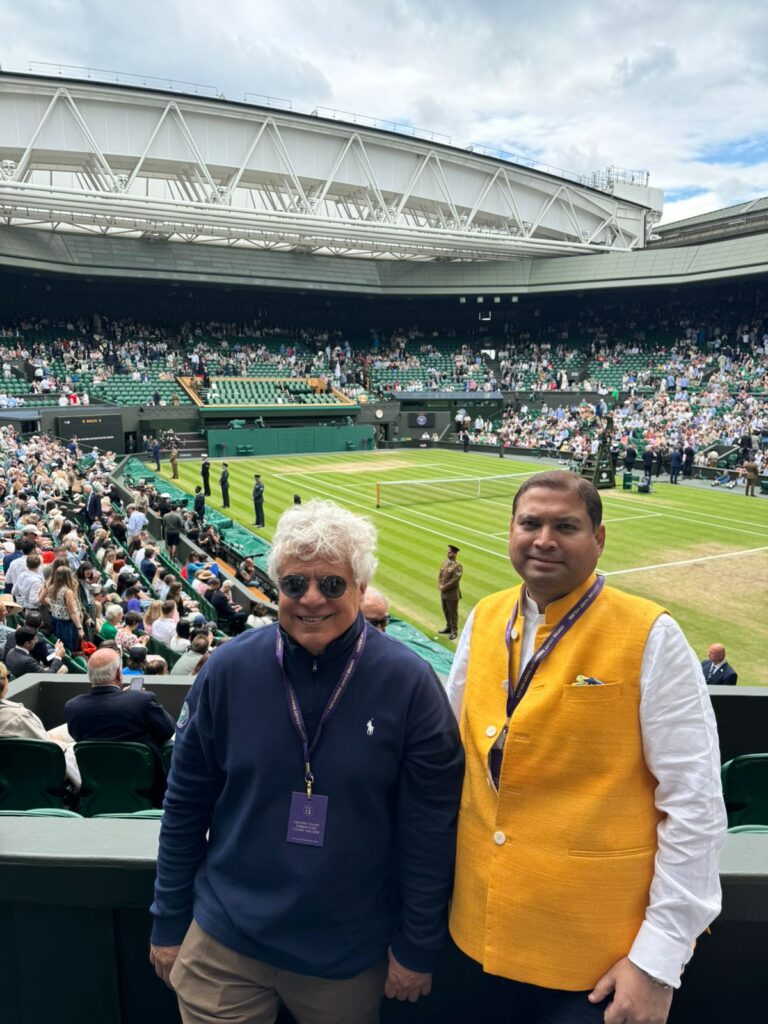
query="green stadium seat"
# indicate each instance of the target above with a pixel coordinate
(167, 755)
(116, 777)
(749, 828)
(745, 789)
(32, 774)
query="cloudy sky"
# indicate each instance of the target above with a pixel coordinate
(679, 88)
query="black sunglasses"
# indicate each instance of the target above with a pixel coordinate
(295, 586)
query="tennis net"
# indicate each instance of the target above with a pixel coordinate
(470, 488)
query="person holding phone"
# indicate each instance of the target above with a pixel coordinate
(108, 712)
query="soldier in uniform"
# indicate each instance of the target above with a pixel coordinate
(450, 594)
(205, 473)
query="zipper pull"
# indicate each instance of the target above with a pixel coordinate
(314, 665)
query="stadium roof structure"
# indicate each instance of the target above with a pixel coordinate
(730, 222)
(136, 162)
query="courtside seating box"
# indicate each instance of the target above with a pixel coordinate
(90, 882)
(46, 695)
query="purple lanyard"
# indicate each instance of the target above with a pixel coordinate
(516, 691)
(333, 701)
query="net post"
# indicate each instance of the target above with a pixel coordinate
(378, 495)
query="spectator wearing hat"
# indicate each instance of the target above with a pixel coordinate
(450, 593)
(202, 580)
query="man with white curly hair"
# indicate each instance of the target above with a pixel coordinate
(308, 837)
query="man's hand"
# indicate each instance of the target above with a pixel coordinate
(404, 984)
(636, 1000)
(162, 959)
(58, 649)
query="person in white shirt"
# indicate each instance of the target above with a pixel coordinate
(575, 747)
(29, 582)
(164, 628)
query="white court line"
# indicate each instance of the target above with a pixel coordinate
(715, 526)
(686, 561)
(627, 519)
(696, 512)
(452, 527)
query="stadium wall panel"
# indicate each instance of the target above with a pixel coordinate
(288, 440)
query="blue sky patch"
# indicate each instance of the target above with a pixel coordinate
(675, 195)
(738, 152)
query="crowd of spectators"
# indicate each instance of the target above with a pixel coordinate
(81, 570)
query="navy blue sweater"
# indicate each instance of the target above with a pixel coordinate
(390, 762)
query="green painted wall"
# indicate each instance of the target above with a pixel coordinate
(285, 440)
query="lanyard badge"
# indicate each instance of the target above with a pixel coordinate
(308, 810)
(516, 691)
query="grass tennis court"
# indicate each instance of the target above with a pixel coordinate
(703, 553)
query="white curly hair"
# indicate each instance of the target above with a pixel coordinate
(327, 532)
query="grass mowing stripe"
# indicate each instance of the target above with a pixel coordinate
(685, 561)
(711, 598)
(452, 527)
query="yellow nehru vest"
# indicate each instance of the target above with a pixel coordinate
(553, 872)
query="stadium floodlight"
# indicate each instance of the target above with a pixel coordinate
(475, 488)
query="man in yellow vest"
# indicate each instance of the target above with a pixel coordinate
(592, 811)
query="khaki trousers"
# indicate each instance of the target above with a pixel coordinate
(213, 984)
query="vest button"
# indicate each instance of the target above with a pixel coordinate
(491, 730)
(499, 838)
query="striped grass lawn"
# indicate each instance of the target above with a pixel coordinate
(701, 552)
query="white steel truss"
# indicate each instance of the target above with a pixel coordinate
(110, 160)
